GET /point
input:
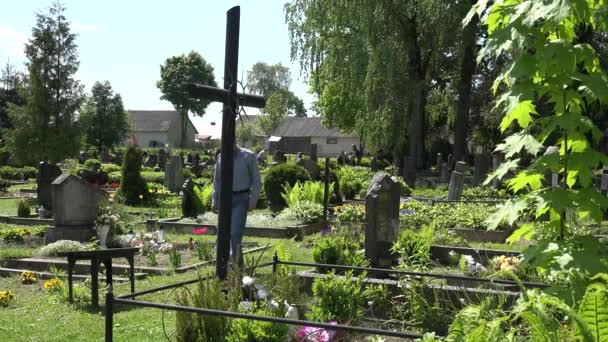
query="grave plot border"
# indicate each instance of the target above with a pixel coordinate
(130, 299)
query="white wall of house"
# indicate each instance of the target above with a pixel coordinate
(175, 132)
(332, 150)
(144, 138)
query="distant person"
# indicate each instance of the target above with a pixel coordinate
(357, 154)
(246, 185)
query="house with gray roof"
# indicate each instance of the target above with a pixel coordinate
(151, 128)
(297, 134)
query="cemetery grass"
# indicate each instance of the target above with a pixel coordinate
(8, 206)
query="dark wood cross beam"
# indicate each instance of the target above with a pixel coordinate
(230, 98)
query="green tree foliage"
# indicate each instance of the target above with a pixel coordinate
(266, 79)
(103, 118)
(246, 133)
(552, 85)
(133, 188)
(12, 82)
(372, 63)
(175, 75)
(274, 113)
(45, 127)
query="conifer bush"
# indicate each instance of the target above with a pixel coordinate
(133, 188)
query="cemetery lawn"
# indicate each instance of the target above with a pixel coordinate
(8, 206)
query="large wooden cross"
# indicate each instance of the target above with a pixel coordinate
(230, 98)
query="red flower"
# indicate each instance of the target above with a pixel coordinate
(199, 231)
(115, 185)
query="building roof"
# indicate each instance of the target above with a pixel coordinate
(293, 126)
(154, 120)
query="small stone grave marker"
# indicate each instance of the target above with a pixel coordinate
(174, 176)
(382, 229)
(457, 181)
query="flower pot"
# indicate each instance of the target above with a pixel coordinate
(102, 234)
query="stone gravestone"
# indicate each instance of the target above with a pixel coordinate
(314, 156)
(481, 168)
(604, 181)
(450, 163)
(151, 161)
(174, 176)
(382, 229)
(313, 169)
(188, 208)
(445, 174)
(497, 159)
(279, 157)
(457, 181)
(47, 173)
(75, 204)
(551, 177)
(439, 163)
(409, 170)
(162, 158)
(374, 164)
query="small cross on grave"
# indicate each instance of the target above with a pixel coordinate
(230, 98)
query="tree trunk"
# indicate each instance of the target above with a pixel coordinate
(467, 68)
(183, 140)
(417, 103)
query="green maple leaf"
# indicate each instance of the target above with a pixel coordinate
(590, 204)
(520, 111)
(516, 142)
(508, 212)
(524, 179)
(502, 170)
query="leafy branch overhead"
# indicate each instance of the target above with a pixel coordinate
(551, 89)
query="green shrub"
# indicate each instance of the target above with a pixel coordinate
(53, 249)
(192, 327)
(90, 163)
(23, 209)
(304, 212)
(187, 173)
(414, 247)
(279, 175)
(108, 168)
(448, 215)
(350, 189)
(40, 231)
(14, 253)
(114, 177)
(133, 188)
(9, 172)
(337, 298)
(338, 250)
(358, 176)
(405, 189)
(15, 234)
(243, 330)
(153, 177)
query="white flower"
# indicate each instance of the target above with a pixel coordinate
(292, 311)
(248, 281)
(370, 303)
(148, 236)
(273, 304)
(262, 294)
(245, 305)
(469, 259)
(451, 253)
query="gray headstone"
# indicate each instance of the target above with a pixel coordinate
(445, 174)
(450, 163)
(497, 159)
(151, 161)
(439, 162)
(409, 170)
(554, 180)
(174, 176)
(457, 181)
(374, 164)
(382, 211)
(162, 158)
(47, 173)
(75, 208)
(481, 168)
(313, 169)
(314, 152)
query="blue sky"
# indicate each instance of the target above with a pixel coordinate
(125, 42)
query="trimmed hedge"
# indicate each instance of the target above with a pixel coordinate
(277, 176)
(149, 177)
(89, 163)
(110, 168)
(14, 173)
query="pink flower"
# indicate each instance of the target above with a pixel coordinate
(312, 334)
(199, 231)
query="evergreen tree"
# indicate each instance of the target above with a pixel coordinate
(45, 127)
(103, 117)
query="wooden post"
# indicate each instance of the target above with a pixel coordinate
(228, 123)
(326, 192)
